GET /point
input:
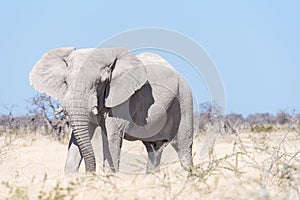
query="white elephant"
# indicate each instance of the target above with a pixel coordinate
(130, 97)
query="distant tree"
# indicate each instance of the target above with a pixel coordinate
(297, 117)
(233, 122)
(7, 120)
(10, 118)
(260, 119)
(210, 114)
(283, 117)
(4, 123)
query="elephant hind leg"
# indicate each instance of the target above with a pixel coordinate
(184, 155)
(183, 140)
(183, 143)
(154, 150)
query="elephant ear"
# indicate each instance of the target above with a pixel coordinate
(128, 75)
(49, 73)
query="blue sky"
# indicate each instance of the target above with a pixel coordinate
(255, 45)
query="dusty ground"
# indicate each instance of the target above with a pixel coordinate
(247, 166)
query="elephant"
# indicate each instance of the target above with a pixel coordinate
(133, 97)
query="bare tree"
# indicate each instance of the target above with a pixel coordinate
(297, 118)
(10, 118)
(7, 121)
(283, 117)
(210, 115)
(259, 118)
(233, 123)
(44, 107)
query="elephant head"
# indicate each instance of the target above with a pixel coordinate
(85, 81)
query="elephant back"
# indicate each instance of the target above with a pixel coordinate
(151, 58)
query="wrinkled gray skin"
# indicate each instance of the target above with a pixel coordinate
(130, 97)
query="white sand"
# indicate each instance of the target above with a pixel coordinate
(257, 166)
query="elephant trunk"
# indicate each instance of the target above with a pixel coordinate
(79, 121)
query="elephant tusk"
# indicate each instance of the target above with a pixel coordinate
(58, 111)
(95, 110)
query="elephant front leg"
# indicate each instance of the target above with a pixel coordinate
(112, 144)
(74, 157)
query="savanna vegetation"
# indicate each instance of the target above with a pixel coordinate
(254, 157)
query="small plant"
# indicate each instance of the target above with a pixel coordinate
(15, 192)
(262, 128)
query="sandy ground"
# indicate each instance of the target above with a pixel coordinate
(247, 166)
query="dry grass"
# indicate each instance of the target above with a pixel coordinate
(244, 166)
